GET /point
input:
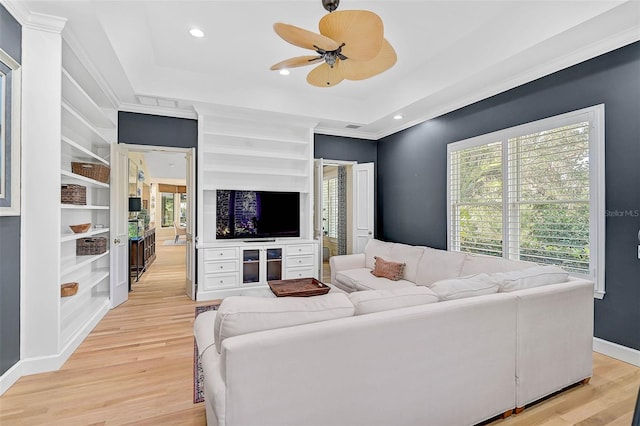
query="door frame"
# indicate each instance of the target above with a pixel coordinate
(124, 175)
(319, 164)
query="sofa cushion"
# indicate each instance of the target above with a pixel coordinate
(388, 269)
(244, 314)
(376, 248)
(477, 264)
(436, 265)
(467, 286)
(362, 279)
(369, 301)
(531, 277)
(410, 256)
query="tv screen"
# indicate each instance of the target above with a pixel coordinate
(257, 214)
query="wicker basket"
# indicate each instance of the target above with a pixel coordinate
(94, 171)
(68, 289)
(91, 246)
(73, 194)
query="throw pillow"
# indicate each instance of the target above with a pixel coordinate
(387, 269)
(530, 277)
(369, 301)
(468, 286)
(245, 314)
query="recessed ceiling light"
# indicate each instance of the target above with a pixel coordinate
(284, 71)
(196, 32)
(398, 117)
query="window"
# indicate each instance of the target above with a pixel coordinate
(167, 203)
(330, 207)
(533, 192)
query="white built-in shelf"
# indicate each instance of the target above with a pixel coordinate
(213, 136)
(76, 96)
(90, 233)
(85, 284)
(80, 127)
(82, 207)
(244, 152)
(79, 315)
(72, 178)
(80, 153)
(76, 262)
(254, 171)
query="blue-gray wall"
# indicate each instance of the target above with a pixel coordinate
(412, 170)
(11, 43)
(157, 130)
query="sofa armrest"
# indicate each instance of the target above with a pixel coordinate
(345, 262)
(554, 338)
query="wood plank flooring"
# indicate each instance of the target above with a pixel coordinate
(136, 368)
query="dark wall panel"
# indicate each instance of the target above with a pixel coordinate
(345, 149)
(11, 43)
(156, 130)
(9, 292)
(412, 170)
(10, 35)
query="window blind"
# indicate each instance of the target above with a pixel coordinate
(548, 191)
(330, 207)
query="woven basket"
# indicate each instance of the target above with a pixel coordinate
(94, 171)
(91, 246)
(73, 194)
(68, 289)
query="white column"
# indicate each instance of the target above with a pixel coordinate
(41, 129)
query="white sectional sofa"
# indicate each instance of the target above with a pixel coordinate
(414, 351)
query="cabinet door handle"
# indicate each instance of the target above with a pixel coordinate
(116, 241)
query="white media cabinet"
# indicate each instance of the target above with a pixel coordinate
(244, 267)
(252, 154)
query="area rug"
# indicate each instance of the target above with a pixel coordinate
(198, 375)
(173, 243)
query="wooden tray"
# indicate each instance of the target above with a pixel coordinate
(301, 287)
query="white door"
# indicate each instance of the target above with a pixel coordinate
(119, 250)
(191, 221)
(317, 222)
(363, 197)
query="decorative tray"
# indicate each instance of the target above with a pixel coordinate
(299, 287)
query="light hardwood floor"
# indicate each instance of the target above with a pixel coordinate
(136, 368)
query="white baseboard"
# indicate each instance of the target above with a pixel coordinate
(54, 362)
(619, 352)
(10, 377)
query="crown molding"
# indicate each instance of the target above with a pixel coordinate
(34, 20)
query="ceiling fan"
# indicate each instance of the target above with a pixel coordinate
(351, 46)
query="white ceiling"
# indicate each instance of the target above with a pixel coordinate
(165, 165)
(450, 53)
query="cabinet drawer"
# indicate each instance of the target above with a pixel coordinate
(213, 281)
(296, 261)
(299, 249)
(220, 253)
(222, 266)
(300, 273)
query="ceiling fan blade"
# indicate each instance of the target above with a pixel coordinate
(303, 38)
(361, 32)
(298, 61)
(325, 76)
(360, 70)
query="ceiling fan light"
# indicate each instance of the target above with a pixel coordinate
(284, 71)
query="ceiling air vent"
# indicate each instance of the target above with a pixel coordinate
(352, 126)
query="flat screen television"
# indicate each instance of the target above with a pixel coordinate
(257, 214)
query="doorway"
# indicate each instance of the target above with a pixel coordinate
(344, 209)
(159, 181)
